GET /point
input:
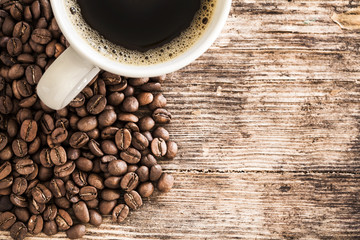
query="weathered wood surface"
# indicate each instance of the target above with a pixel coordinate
(268, 126)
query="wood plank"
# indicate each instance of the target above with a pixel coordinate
(244, 206)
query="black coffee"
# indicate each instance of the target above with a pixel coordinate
(138, 24)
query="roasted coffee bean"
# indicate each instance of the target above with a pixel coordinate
(19, 186)
(110, 194)
(57, 187)
(79, 178)
(109, 147)
(133, 199)
(107, 118)
(64, 170)
(45, 158)
(145, 98)
(35, 9)
(129, 181)
(84, 164)
(161, 116)
(62, 123)
(46, 9)
(19, 147)
(58, 156)
(165, 182)
(33, 74)
(34, 146)
(16, 72)
(95, 218)
(117, 167)
(6, 105)
(158, 102)
(112, 182)
(8, 25)
(115, 98)
(146, 189)
(22, 31)
(138, 81)
(118, 87)
(87, 123)
(111, 79)
(96, 181)
(50, 213)
(172, 149)
(25, 58)
(123, 139)
(28, 130)
(14, 47)
(146, 123)
(160, 79)
(155, 172)
(25, 166)
(73, 153)
(7, 219)
(78, 101)
(24, 88)
(62, 202)
(143, 173)
(158, 147)
(28, 102)
(88, 193)
(151, 87)
(131, 155)
(45, 174)
(18, 201)
(35, 224)
(99, 87)
(130, 104)
(139, 141)
(3, 141)
(6, 154)
(148, 136)
(71, 187)
(95, 149)
(161, 132)
(41, 194)
(12, 128)
(81, 212)
(59, 135)
(120, 213)
(50, 228)
(78, 139)
(129, 91)
(18, 231)
(22, 214)
(92, 203)
(41, 36)
(128, 117)
(96, 104)
(148, 160)
(6, 182)
(16, 11)
(63, 220)
(77, 231)
(106, 207)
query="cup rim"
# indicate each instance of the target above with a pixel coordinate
(196, 50)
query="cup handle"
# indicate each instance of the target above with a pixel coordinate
(65, 79)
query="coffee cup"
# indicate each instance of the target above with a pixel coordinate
(81, 62)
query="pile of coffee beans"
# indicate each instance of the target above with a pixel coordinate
(62, 169)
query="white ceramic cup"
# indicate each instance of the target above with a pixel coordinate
(80, 63)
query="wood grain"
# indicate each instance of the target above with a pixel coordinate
(267, 122)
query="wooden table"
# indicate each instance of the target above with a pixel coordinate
(268, 124)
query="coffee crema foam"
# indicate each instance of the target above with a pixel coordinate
(168, 51)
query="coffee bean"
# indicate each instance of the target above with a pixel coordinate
(77, 231)
(33, 73)
(146, 189)
(57, 187)
(95, 149)
(123, 139)
(133, 199)
(78, 139)
(63, 220)
(96, 104)
(88, 193)
(50, 228)
(81, 212)
(22, 214)
(24, 88)
(41, 36)
(46, 9)
(120, 213)
(129, 181)
(155, 172)
(25, 166)
(7, 219)
(6, 105)
(148, 160)
(110, 194)
(18, 231)
(19, 186)
(3, 141)
(106, 207)
(38, 48)
(128, 117)
(158, 147)
(159, 78)
(107, 118)
(165, 182)
(161, 116)
(131, 155)
(130, 104)
(16, 11)
(138, 81)
(109, 147)
(50, 213)
(116, 98)
(19, 147)
(35, 224)
(59, 135)
(5, 155)
(158, 102)
(79, 178)
(28, 130)
(41, 194)
(6, 182)
(28, 102)
(58, 156)
(145, 98)
(78, 101)
(146, 123)
(14, 46)
(18, 201)
(45, 158)
(139, 141)
(25, 58)
(84, 164)
(118, 87)
(161, 132)
(87, 123)
(35, 9)
(22, 31)
(112, 182)
(143, 173)
(64, 170)
(95, 218)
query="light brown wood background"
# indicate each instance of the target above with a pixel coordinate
(268, 123)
